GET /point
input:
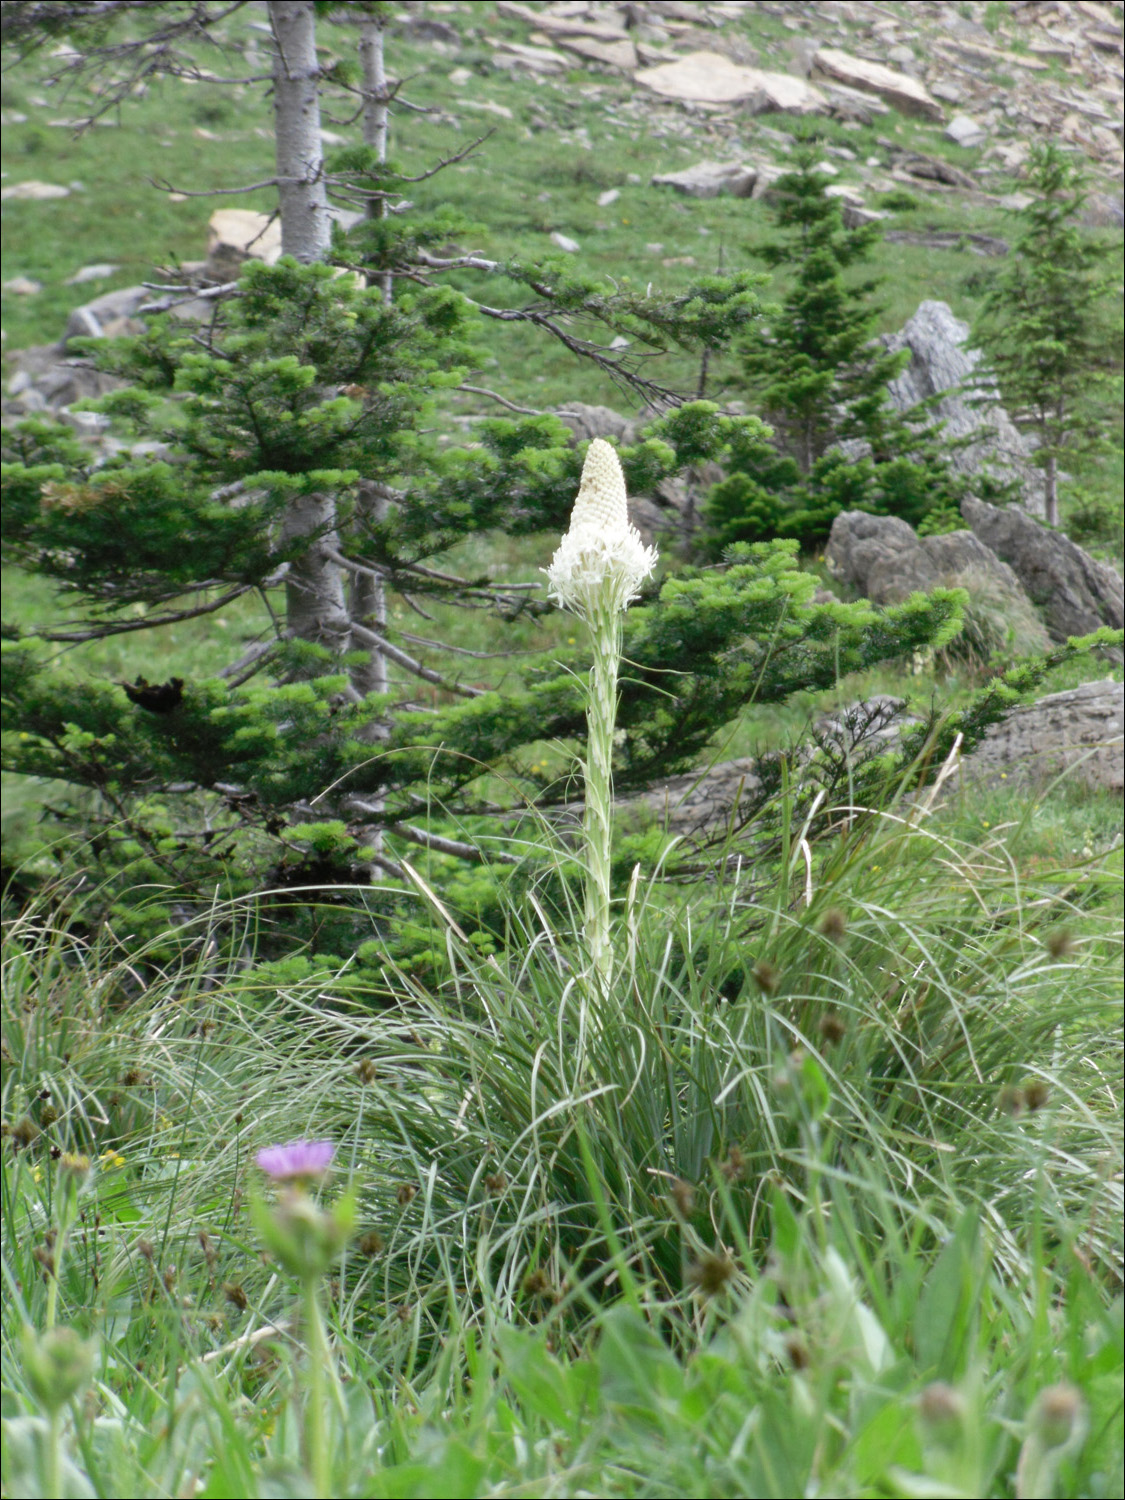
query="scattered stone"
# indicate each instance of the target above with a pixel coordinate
(709, 179)
(1101, 211)
(235, 235)
(898, 90)
(564, 242)
(23, 286)
(610, 195)
(91, 273)
(1077, 731)
(614, 54)
(108, 316)
(517, 55)
(35, 191)
(1076, 593)
(850, 105)
(855, 216)
(709, 78)
(965, 131)
(459, 77)
(949, 239)
(560, 26)
(486, 106)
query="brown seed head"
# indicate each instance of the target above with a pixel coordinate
(48, 1115)
(538, 1284)
(766, 977)
(366, 1071)
(145, 1250)
(734, 1168)
(941, 1411)
(233, 1292)
(712, 1273)
(496, 1183)
(25, 1132)
(832, 1028)
(834, 924)
(405, 1193)
(797, 1350)
(1059, 943)
(370, 1244)
(681, 1194)
(1036, 1095)
(1011, 1101)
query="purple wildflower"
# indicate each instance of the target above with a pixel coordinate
(296, 1159)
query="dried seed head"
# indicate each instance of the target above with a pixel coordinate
(834, 924)
(1036, 1095)
(734, 1168)
(405, 1193)
(1011, 1101)
(681, 1194)
(366, 1071)
(538, 1284)
(766, 977)
(712, 1273)
(1059, 943)
(25, 1132)
(832, 1028)
(145, 1250)
(797, 1350)
(208, 1249)
(168, 1277)
(48, 1115)
(370, 1244)
(496, 1183)
(233, 1292)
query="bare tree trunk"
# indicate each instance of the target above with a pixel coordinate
(314, 589)
(305, 223)
(1052, 490)
(368, 594)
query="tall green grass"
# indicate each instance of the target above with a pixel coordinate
(825, 1197)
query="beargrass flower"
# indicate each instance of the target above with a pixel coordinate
(601, 562)
(597, 570)
(297, 1161)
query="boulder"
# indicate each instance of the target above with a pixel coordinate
(588, 422)
(709, 179)
(107, 316)
(1076, 593)
(614, 54)
(941, 365)
(1078, 731)
(964, 131)
(898, 90)
(235, 235)
(710, 78)
(34, 191)
(883, 558)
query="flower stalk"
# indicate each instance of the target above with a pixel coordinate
(596, 572)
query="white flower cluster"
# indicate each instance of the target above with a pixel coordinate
(601, 561)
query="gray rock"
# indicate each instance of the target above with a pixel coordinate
(564, 242)
(950, 239)
(1076, 593)
(98, 272)
(941, 363)
(111, 313)
(588, 422)
(710, 78)
(708, 179)
(898, 90)
(965, 131)
(1079, 731)
(883, 559)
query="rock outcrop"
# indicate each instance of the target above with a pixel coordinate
(1079, 731)
(1076, 593)
(942, 365)
(883, 558)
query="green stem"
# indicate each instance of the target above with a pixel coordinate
(52, 1456)
(317, 1456)
(601, 719)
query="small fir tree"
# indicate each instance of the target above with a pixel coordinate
(1043, 323)
(821, 379)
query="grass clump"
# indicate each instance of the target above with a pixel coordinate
(841, 1153)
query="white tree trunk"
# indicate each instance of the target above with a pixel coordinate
(314, 590)
(305, 223)
(368, 594)
(1052, 490)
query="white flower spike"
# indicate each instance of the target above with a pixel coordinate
(601, 562)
